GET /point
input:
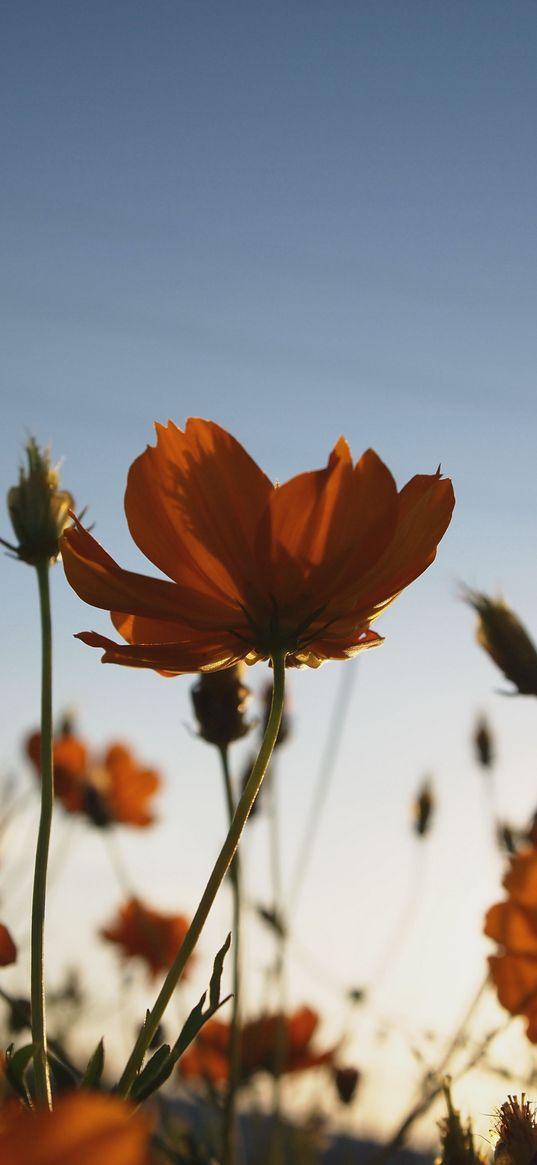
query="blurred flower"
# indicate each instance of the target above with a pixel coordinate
(517, 1132)
(147, 934)
(423, 809)
(506, 640)
(8, 950)
(38, 508)
(111, 789)
(346, 1081)
(302, 568)
(208, 1057)
(84, 1127)
(484, 743)
(513, 924)
(456, 1139)
(220, 699)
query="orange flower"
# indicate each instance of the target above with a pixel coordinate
(513, 924)
(113, 789)
(83, 1128)
(256, 568)
(208, 1057)
(147, 934)
(8, 950)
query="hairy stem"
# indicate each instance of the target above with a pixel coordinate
(39, 1031)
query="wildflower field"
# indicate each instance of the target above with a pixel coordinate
(244, 572)
(268, 666)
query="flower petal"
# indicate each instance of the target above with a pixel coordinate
(521, 878)
(194, 502)
(84, 1127)
(170, 658)
(99, 580)
(425, 509)
(513, 927)
(515, 978)
(8, 950)
(330, 525)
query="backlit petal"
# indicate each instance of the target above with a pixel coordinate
(194, 502)
(99, 580)
(171, 658)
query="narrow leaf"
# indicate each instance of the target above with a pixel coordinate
(156, 1071)
(94, 1070)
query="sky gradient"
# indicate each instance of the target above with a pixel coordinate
(298, 220)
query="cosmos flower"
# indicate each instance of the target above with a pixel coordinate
(513, 924)
(147, 934)
(253, 568)
(83, 1128)
(208, 1057)
(113, 788)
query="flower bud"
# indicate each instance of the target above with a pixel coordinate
(517, 1132)
(506, 640)
(484, 743)
(346, 1081)
(423, 809)
(220, 699)
(38, 509)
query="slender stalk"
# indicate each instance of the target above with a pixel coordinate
(326, 770)
(229, 1129)
(216, 878)
(39, 1032)
(280, 1043)
(430, 1090)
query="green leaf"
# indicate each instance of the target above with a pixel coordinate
(162, 1063)
(156, 1071)
(16, 1066)
(94, 1070)
(216, 977)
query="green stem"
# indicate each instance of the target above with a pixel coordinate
(39, 1032)
(280, 1043)
(229, 1130)
(223, 860)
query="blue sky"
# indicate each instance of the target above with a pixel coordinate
(298, 219)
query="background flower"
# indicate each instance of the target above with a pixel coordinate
(513, 924)
(84, 1128)
(208, 1056)
(147, 934)
(114, 788)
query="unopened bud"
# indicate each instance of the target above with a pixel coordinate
(507, 837)
(38, 508)
(423, 809)
(346, 1081)
(220, 699)
(484, 744)
(506, 640)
